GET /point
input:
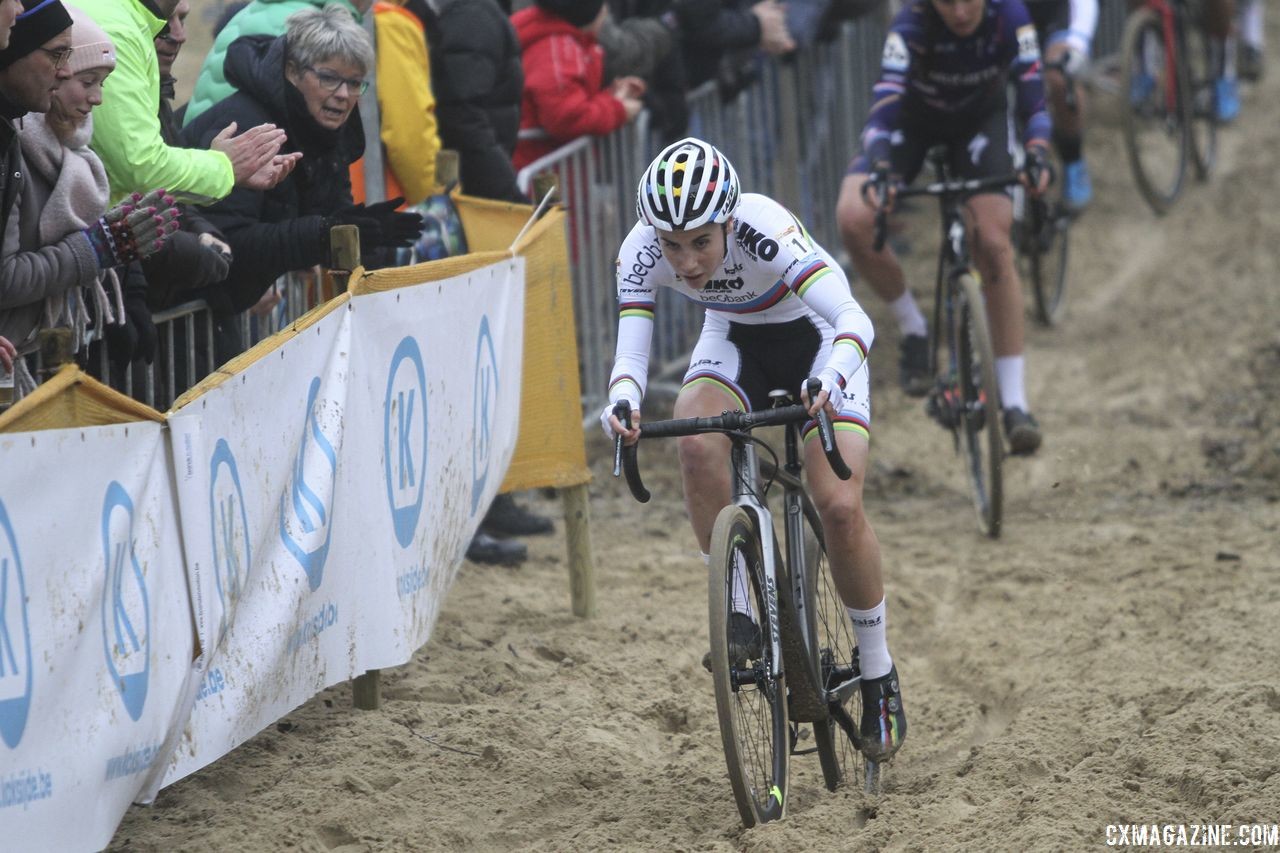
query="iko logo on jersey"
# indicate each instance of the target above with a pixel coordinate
(404, 433)
(15, 638)
(484, 411)
(724, 285)
(229, 523)
(756, 244)
(126, 607)
(306, 511)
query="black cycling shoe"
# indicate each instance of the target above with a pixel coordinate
(500, 552)
(913, 365)
(507, 518)
(884, 723)
(744, 641)
(1023, 432)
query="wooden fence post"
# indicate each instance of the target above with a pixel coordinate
(577, 526)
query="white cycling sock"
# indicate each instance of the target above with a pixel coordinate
(907, 313)
(740, 599)
(873, 649)
(1013, 394)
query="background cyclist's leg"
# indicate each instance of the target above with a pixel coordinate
(1252, 40)
(882, 270)
(1219, 23)
(1068, 126)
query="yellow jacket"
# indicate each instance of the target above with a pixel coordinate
(410, 140)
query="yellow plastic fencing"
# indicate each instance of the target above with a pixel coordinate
(73, 398)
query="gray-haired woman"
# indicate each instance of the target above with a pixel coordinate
(308, 82)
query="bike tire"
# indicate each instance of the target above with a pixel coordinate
(832, 649)
(1197, 84)
(750, 704)
(1044, 252)
(1155, 132)
(979, 430)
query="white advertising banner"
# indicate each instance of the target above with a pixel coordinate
(430, 435)
(95, 630)
(257, 461)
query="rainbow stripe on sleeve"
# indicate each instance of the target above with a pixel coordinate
(851, 340)
(636, 309)
(808, 276)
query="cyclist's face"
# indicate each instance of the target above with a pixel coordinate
(694, 254)
(961, 16)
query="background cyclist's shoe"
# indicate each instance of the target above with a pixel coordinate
(913, 365)
(507, 518)
(884, 722)
(1226, 99)
(1077, 188)
(1023, 432)
(1141, 85)
(744, 641)
(501, 552)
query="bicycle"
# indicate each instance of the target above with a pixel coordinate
(962, 397)
(805, 668)
(1167, 88)
(1042, 233)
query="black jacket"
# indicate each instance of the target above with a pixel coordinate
(478, 82)
(10, 163)
(284, 228)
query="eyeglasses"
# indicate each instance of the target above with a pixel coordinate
(60, 55)
(331, 82)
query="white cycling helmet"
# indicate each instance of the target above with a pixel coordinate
(689, 184)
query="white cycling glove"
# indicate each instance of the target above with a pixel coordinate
(608, 411)
(1076, 59)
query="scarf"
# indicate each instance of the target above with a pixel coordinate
(77, 198)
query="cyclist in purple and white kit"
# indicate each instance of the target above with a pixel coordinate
(778, 311)
(943, 78)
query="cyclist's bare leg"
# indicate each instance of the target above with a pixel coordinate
(857, 220)
(992, 216)
(704, 459)
(853, 550)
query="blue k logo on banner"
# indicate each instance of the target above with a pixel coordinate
(405, 439)
(307, 529)
(126, 611)
(15, 638)
(230, 525)
(484, 412)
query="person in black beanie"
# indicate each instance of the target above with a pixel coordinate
(9, 11)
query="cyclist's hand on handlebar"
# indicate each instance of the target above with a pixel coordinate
(614, 427)
(1037, 173)
(879, 189)
(826, 398)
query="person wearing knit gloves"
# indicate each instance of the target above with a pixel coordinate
(564, 87)
(60, 237)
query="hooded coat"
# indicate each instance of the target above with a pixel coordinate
(283, 228)
(259, 18)
(563, 76)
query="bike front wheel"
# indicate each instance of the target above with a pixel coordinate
(751, 702)
(979, 430)
(1155, 132)
(1043, 250)
(1201, 102)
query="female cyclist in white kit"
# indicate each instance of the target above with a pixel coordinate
(778, 311)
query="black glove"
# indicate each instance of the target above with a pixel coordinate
(380, 225)
(185, 263)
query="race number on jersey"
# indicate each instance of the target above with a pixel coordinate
(1028, 45)
(895, 56)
